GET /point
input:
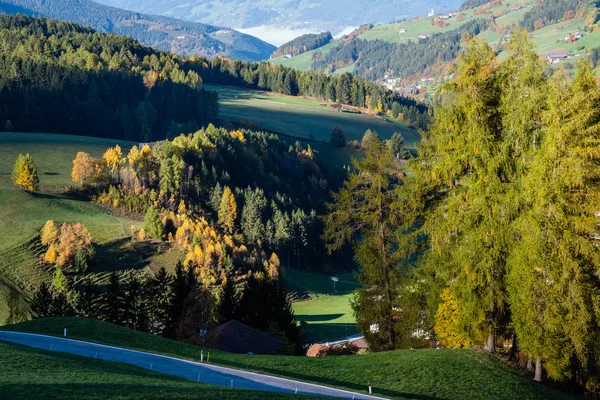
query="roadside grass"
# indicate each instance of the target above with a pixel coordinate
(321, 313)
(301, 117)
(427, 374)
(27, 373)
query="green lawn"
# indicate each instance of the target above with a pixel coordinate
(405, 374)
(303, 62)
(27, 373)
(325, 316)
(301, 117)
(23, 214)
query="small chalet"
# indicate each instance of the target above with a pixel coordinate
(235, 337)
(424, 36)
(556, 57)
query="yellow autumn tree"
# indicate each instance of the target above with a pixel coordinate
(73, 238)
(113, 160)
(228, 211)
(25, 173)
(51, 255)
(447, 322)
(273, 266)
(86, 169)
(49, 233)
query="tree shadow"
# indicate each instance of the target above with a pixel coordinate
(123, 253)
(323, 317)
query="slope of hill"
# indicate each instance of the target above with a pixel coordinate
(422, 47)
(162, 33)
(282, 20)
(404, 374)
(27, 373)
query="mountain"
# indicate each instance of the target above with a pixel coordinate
(278, 21)
(162, 33)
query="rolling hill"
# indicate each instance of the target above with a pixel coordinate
(282, 20)
(422, 48)
(162, 33)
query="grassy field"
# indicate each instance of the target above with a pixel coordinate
(428, 374)
(303, 62)
(23, 214)
(27, 373)
(324, 315)
(300, 117)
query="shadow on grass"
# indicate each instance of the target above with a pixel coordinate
(123, 254)
(323, 317)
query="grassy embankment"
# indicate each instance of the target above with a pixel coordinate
(406, 374)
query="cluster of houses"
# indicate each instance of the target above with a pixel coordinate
(572, 37)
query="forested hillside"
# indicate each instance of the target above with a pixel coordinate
(162, 33)
(63, 78)
(372, 59)
(303, 43)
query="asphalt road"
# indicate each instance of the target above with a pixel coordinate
(199, 372)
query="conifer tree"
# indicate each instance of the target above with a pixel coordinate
(552, 279)
(60, 281)
(397, 146)
(25, 173)
(462, 177)
(41, 302)
(153, 226)
(228, 301)
(366, 207)
(228, 211)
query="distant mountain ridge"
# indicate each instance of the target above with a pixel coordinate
(279, 21)
(163, 33)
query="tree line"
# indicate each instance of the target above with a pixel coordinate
(175, 306)
(550, 12)
(60, 77)
(492, 238)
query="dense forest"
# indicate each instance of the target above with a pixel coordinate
(63, 78)
(303, 44)
(375, 58)
(552, 11)
(162, 33)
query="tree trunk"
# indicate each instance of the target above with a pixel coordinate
(514, 348)
(529, 364)
(490, 345)
(538, 369)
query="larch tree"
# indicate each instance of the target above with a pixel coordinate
(25, 173)
(460, 172)
(49, 233)
(228, 211)
(113, 160)
(86, 169)
(367, 207)
(552, 280)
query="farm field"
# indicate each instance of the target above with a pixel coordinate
(22, 214)
(303, 62)
(403, 374)
(27, 373)
(300, 117)
(323, 314)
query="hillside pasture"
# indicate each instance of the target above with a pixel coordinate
(23, 214)
(321, 313)
(301, 118)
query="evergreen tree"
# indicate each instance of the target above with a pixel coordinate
(153, 226)
(228, 301)
(60, 306)
(42, 302)
(253, 213)
(85, 302)
(365, 207)
(338, 138)
(397, 145)
(113, 301)
(228, 211)
(60, 281)
(25, 173)
(160, 301)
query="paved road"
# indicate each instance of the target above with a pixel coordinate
(205, 373)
